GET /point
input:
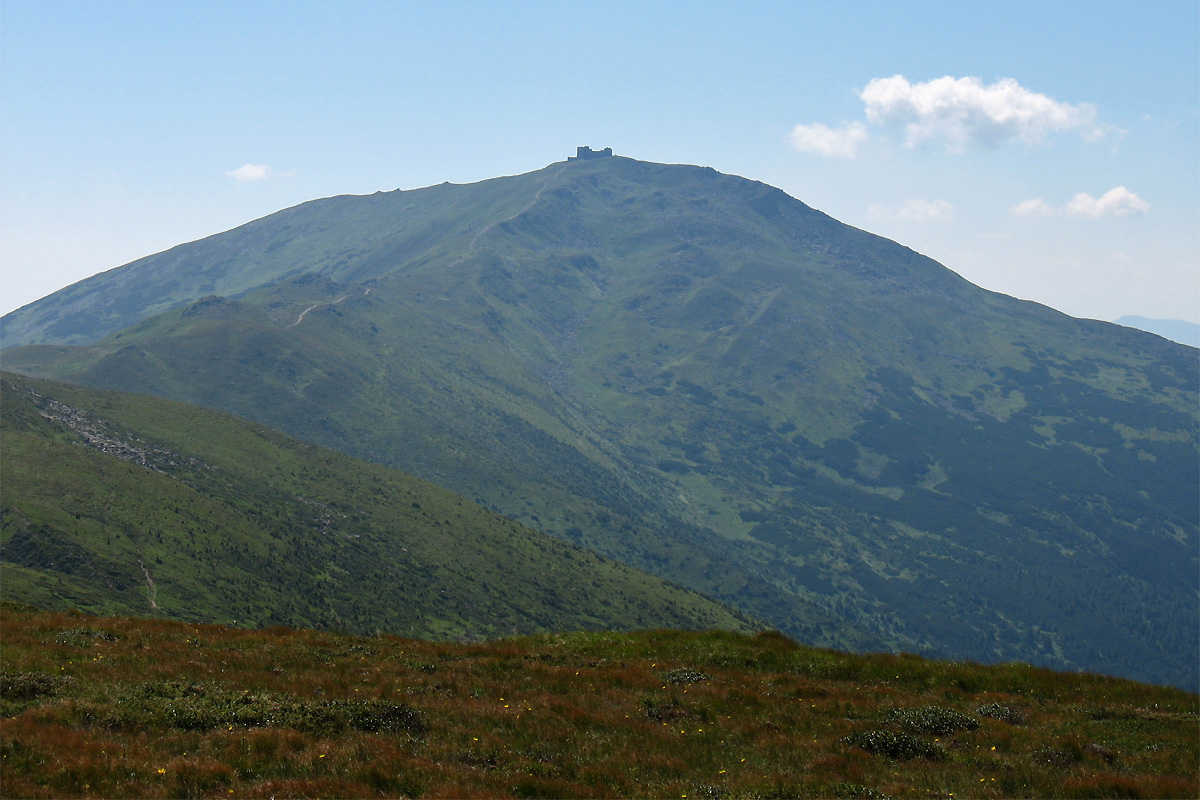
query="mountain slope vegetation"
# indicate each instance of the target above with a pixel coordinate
(701, 376)
(128, 504)
(236, 713)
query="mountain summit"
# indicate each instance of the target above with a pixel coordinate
(701, 376)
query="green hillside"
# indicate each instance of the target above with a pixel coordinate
(656, 714)
(118, 503)
(698, 375)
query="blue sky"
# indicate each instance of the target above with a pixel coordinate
(1045, 150)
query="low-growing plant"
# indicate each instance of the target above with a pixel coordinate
(1106, 713)
(28, 685)
(671, 711)
(204, 706)
(80, 637)
(1005, 713)
(854, 791)
(684, 676)
(255, 713)
(931, 719)
(896, 744)
(1063, 756)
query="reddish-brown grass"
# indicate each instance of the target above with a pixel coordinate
(152, 711)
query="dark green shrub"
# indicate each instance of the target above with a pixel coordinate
(671, 712)
(379, 716)
(1010, 714)
(932, 719)
(201, 706)
(854, 791)
(1066, 756)
(678, 676)
(1107, 713)
(28, 685)
(79, 637)
(828, 667)
(898, 745)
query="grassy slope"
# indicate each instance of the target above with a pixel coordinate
(698, 375)
(345, 237)
(112, 707)
(403, 389)
(119, 503)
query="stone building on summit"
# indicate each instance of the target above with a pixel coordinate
(584, 153)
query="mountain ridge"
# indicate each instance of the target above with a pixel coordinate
(1177, 330)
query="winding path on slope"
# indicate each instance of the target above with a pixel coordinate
(300, 318)
(528, 206)
(537, 196)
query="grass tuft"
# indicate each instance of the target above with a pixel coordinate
(896, 744)
(1013, 715)
(931, 719)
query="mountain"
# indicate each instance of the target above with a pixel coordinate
(1177, 330)
(698, 375)
(136, 505)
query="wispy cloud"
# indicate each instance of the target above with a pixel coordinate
(919, 210)
(962, 113)
(248, 173)
(842, 142)
(1033, 208)
(1118, 202)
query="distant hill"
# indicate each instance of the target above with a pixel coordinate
(1177, 330)
(703, 377)
(118, 503)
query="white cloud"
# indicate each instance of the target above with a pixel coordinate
(913, 211)
(250, 172)
(1033, 208)
(965, 113)
(1118, 202)
(824, 141)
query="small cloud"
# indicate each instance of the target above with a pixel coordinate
(913, 211)
(966, 113)
(1118, 202)
(824, 141)
(1033, 208)
(250, 172)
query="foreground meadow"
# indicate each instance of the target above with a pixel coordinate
(120, 707)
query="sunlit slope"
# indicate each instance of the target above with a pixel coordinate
(343, 237)
(122, 503)
(702, 376)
